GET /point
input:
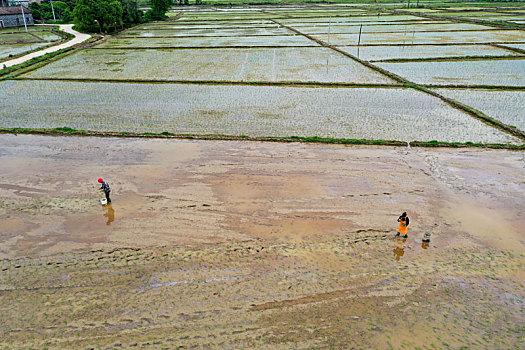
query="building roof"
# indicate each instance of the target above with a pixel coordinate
(13, 10)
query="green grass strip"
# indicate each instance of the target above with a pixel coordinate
(285, 83)
(67, 131)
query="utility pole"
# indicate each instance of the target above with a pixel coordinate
(53, 9)
(23, 15)
(329, 27)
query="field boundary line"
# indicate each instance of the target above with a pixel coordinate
(495, 24)
(196, 27)
(508, 48)
(66, 131)
(276, 14)
(477, 87)
(488, 43)
(451, 102)
(350, 24)
(270, 35)
(450, 58)
(199, 47)
(422, 31)
(315, 84)
(196, 21)
(197, 36)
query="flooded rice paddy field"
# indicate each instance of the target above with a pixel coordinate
(248, 46)
(482, 72)
(362, 113)
(219, 48)
(206, 41)
(310, 64)
(507, 106)
(177, 27)
(414, 52)
(516, 46)
(258, 245)
(16, 49)
(350, 19)
(391, 28)
(185, 32)
(411, 37)
(14, 42)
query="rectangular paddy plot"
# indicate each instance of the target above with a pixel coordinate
(197, 31)
(391, 28)
(369, 53)
(501, 72)
(459, 37)
(16, 49)
(472, 14)
(320, 13)
(501, 18)
(336, 26)
(505, 106)
(208, 26)
(233, 15)
(516, 46)
(353, 19)
(317, 64)
(288, 40)
(384, 113)
(23, 37)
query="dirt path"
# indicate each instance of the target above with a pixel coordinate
(258, 245)
(68, 28)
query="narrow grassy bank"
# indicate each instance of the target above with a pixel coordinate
(67, 131)
(285, 83)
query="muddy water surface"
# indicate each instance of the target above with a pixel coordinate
(258, 245)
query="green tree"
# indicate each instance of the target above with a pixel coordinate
(98, 15)
(159, 9)
(62, 11)
(130, 12)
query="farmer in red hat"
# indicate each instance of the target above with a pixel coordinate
(105, 187)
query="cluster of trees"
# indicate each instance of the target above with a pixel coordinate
(110, 15)
(106, 15)
(44, 11)
(102, 16)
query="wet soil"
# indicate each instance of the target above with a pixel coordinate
(258, 245)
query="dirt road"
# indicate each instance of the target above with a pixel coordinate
(266, 245)
(68, 28)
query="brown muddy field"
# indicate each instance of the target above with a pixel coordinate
(236, 245)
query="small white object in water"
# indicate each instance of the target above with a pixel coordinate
(103, 201)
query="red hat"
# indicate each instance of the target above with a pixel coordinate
(100, 180)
